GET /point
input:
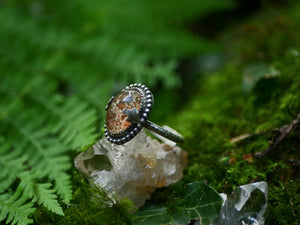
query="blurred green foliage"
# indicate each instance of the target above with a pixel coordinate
(62, 60)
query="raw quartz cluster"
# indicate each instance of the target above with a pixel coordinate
(246, 205)
(132, 170)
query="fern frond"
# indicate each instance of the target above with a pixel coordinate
(15, 208)
(45, 154)
(130, 64)
(8, 161)
(13, 168)
(77, 121)
(101, 56)
(44, 195)
(73, 121)
(40, 149)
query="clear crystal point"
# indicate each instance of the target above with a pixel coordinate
(245, 206)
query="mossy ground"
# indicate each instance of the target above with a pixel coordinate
(219, 110)
(222, 109)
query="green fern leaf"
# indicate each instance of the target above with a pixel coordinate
(13, 164)
(72, 122)
(35, 144)
(14, 206)
(45, 196)
(15, 209)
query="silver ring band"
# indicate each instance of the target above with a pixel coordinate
(127, 114)
(163, 132)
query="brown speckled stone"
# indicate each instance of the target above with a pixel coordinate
(116, 120)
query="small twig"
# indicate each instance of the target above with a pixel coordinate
(292, 208)
(243, 137)
(239, 138)
(280, 135)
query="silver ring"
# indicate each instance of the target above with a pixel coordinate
(127, 114)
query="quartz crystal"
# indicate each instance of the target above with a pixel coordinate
(245, 206)
(132, 170)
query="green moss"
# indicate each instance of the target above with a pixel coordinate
(217, 115)
(221, 110)
(284, 204)
(88, 206)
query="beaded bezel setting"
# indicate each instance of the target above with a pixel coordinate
(146, 103)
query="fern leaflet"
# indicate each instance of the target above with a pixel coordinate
(15, 209)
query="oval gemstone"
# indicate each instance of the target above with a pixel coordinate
(116, 120)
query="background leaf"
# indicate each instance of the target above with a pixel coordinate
(152, 215)
(197, 201)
